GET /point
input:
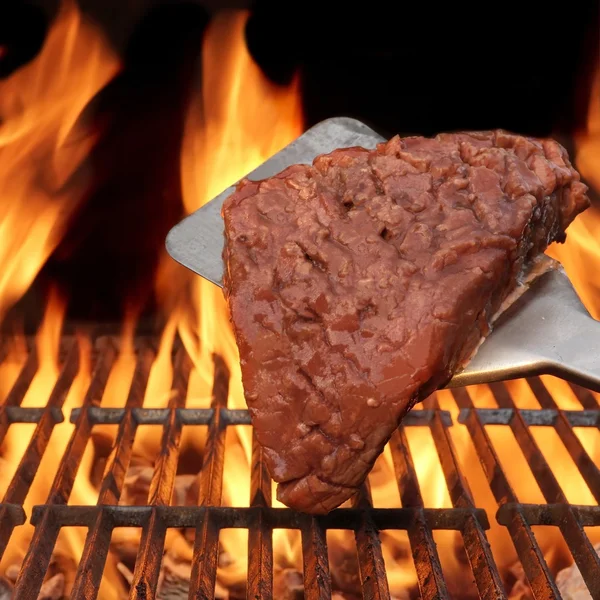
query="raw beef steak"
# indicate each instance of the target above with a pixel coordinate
(360, 284)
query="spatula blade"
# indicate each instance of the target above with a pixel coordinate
(548, 330)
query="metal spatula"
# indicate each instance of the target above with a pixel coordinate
(547, 330)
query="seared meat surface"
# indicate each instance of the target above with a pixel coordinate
(359, 284)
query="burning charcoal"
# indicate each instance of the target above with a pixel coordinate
(344, 569)
(520, 589)
(174, 581)
(61, 567)
(181, 495)
(570, 582)
(220, 592)
(53, 588)
(225, 559)
(340, 596)
(12, 572)
(288, 584)
(126, 545)
(125, 572)
(6, 589)
(137, 487)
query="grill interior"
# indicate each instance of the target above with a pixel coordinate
(209, 517)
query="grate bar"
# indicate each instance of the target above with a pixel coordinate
(24, 379)
(118, 461)
(588, 469)
(28, 466)
(483, 565)
(63, 482)
(17, 393)
(534, 564)
(544, 417)
(260, 558)
(260, 518)
(241, 517)
(206, 556)
(204, 416)
(97, 541)
(148, 561)
(540, 468)
(27, 469)
(206, 543)
(39, 553)
(371, 566)
(526, 545)
(147, 565)
(211, 474)
(585, 397)
(549, 514)
(93, 558)
(260, 536)
(317, 578)
(163, 480)
(34, 567)
(582, 550)
(425, 555)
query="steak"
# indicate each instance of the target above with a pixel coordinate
(361, 283)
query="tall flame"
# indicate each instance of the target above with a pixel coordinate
(582, 247)
(237, 121)
(41, 149)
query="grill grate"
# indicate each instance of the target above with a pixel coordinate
(260, 518)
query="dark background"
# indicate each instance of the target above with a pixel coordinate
(401, 67)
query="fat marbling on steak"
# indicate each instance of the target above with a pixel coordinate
(359, 284)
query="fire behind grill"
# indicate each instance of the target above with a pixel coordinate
(209, 517)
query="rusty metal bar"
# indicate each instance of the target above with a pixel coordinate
(206, 543)
(17, 392)
(27, 469)
(586, 466)
(30, 462)
(483, 565)
(260, 518)
(118, 461)
(148, 561)
(39, 553)
(24, 379)
(97, 542)
(163, 480)
(537, 462)
(199, 416)
(550, 514)
(584, 396)
(579, 544)
(278, 518)
(317, 579)
(260, 535)
(530, 554)
(430, 577)
(211, 474)
(371, 566)
(544, 417)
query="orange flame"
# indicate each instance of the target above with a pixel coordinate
(582, 248)
(237, 121)
(41, 148)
